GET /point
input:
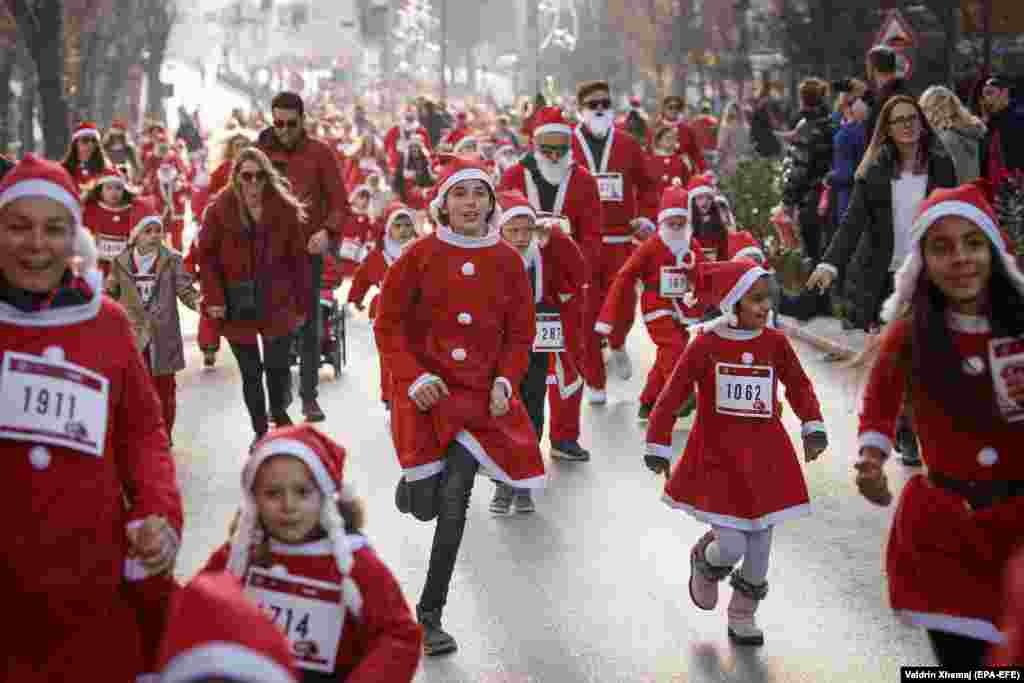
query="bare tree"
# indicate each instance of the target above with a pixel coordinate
(157, 18)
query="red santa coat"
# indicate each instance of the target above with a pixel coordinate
(370, 273)
(1012, 652)
(665, 168)
(111, 227)
(383, 642)
(689, 147)
(577, 199)
(353, 241)
(622, 155)
(736, 471)
(563, 278)
(645, 266)
(65, 513)
(963, 549)
(395, 142)
(452, 307)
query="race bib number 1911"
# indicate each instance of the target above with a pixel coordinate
(673, 282)
(308, 612)
(53, 402)
(744, 390)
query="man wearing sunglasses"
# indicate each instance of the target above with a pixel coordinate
(555, 184)
(315, 176)
(625, 185)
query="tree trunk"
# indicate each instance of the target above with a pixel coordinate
(7, 58)
(27, 117)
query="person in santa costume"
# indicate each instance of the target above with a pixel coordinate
(351, 244)
(216, 633)
(398, 138)
(106, 214)
(119, 149)
(149, 279)
(298, 545)
(399, 232)
(619, 165)
(672, 109)
(453, 332)
(367, 157)
(414, 176)
(665, 163)
(739, 472)
(460, 131)
(556, 271)
(557, 185)
(954, 347)
(94, 502)
(168, 181)
(664, 265)
(85, 160)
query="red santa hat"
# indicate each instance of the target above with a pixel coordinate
(749, 247)
(215, 631)
(550, 120)
(968, 202)
(723, 284)
(326, 461)
(86, 129)
(119, 125)
(461, 145)
(458, 170)
(395, 211)
(143, 214)
(35, 177)
(514, 204)
(701, 185)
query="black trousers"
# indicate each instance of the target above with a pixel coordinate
(456, 488)
(275, 365)
(309, 358)
(954, 651)
(534, 390)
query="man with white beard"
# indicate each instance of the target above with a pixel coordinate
(555, 184)
(618, 163)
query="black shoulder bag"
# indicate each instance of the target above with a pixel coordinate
(244, 300)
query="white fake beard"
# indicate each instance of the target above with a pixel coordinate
(552, 172)
(598, 122)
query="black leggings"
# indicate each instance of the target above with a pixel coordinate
(275, 363)
(456, 487)
(954, 651)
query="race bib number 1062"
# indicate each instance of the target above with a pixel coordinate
(745, 390)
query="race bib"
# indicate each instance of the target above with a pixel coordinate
(349, 250)
(53, 402)
(308, 612)
(109, 248)
(674, 283)
(549, 337)
(1006, 358)
(610, 187)
(744, 390)
(146, 284)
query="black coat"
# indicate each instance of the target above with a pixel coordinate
(864, 243)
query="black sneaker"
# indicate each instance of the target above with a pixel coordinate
(436, 641)
(311, 409)
(644, 414)
(569, 450)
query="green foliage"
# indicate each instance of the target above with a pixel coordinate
(754, 190)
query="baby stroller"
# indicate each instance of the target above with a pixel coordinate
(332, 315)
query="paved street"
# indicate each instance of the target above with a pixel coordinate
(592, 587)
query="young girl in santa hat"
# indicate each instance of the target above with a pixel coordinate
(298, 546)
(106, 210)
(954, 347)
(354, 232)
(399, 232)
(664, 266)
(739, 472)
(85, 160)
(148, 279)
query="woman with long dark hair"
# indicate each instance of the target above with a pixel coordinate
(955, 351)
(86, 159)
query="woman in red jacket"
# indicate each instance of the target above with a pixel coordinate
(955, 347)
(85, 160)
(93, 502)
(252, 265)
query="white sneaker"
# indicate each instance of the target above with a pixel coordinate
(597, 397)
(619, 360)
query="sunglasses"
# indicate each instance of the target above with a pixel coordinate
(554, 150)
(904, 121)
(598, 104)
(290, 123)
(250, 177)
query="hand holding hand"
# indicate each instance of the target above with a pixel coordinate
(154, 543)
(821, 279)
(815, 444)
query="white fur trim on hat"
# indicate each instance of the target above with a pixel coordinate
(110, 179)
(271, 447)
(465, 142)
(143, 224)
(224, 659)
(85, 133)
(749, 252)
(548, 128)
(676, 212)
(408, 213)
(906, 278)
(37, 187)
(515, 212)
(728, 305)
(453, 180)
